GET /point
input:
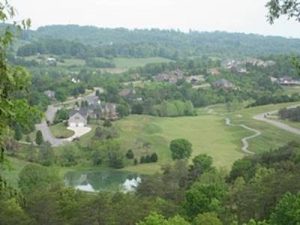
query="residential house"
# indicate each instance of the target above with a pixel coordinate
(289, 81)
(50, 94)
(213, 71)
(109, 111)
(223, 84)
(93, 100)
(77, 120)
(171, 77)
(195, 79)
(127, 93)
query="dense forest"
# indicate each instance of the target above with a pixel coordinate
(260, 189)
(145, 43)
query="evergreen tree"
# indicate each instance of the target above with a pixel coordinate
(18, 132)
(39, 138)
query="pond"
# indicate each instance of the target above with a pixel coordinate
(104, 180)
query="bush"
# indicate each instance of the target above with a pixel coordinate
(129, 154)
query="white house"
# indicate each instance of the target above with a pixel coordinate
(77, 120)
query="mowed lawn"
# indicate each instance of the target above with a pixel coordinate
(207, 133)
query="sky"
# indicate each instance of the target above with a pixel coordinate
(247, 16)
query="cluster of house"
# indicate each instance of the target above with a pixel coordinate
(174, 76)
(239, 66)
(223, 84)
(93, 109)
(286, 81)
(171, 77)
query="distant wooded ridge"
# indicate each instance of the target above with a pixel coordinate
(165, 43)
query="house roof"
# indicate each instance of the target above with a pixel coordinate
(77, 118)
(82, 111)
(223, 83)
(92, 100)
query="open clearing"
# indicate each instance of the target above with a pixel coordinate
(271, 137)
(208, 134)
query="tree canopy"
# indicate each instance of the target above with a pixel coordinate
(289, 8)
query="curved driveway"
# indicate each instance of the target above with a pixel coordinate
(50, 115)
(47, 135)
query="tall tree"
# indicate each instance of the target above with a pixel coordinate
(13, 79)
(39, 138)
(181, 149)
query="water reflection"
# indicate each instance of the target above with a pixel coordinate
(106, 180)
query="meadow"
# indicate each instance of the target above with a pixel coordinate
(207, 133)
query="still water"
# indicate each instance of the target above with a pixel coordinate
(104, 180)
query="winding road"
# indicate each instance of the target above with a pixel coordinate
(278, 124)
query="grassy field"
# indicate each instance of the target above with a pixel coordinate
(208, 134)
(60, 131)
(128, 63)
(272, 137)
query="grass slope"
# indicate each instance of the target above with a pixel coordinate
(208, 134)
(272, 137)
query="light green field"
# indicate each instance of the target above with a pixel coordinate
(208, 134)
(291, 123)
(272, 137)
(128, 63)
(60, 131)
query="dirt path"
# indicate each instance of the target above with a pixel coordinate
(245, 147)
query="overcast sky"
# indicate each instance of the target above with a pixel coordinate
(247, 16)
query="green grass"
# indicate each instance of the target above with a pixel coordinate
(208, 134)
(272, 137)
(60, 131)
(128, 63)
(292, 90)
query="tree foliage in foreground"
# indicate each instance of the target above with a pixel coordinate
(13, 80)
(289, 8)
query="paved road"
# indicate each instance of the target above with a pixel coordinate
(262, 117)
(47, 135)
(245, 147)
(50, 113)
